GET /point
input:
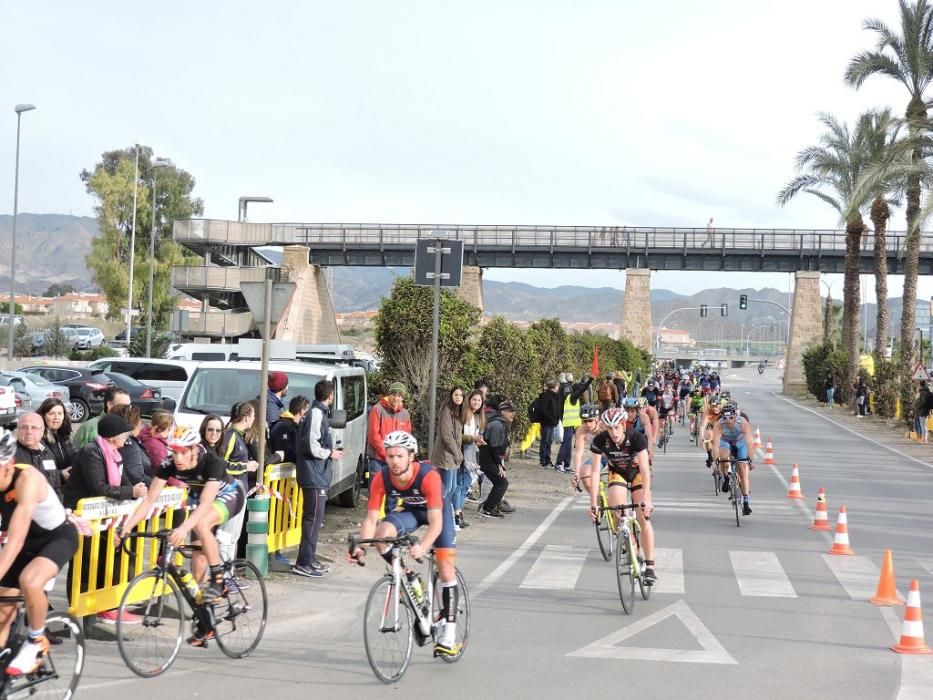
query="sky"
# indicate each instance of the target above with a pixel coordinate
(520, 112)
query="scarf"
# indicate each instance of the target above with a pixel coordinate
(112, 460)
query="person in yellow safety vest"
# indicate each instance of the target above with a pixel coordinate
(571, 421)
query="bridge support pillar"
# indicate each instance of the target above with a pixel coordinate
(636, 308)
(471, 286)
(309, 317)
(806, 328)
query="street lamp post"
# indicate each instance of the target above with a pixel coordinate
(19, 109)
(129, 294)
(244, 201)
(156, 163)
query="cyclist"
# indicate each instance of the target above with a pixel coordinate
(650, 392)
(626, 451)
(216, 496)
(40, 540)
(418, 486)
(732, 435)
(683, 393)
(697, 406)
(711, 415)
(589, 426)
(667, 405)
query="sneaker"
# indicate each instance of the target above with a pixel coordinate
(214, 590)
(235, 584)
(109, 617)
(746, 509)
(308, 571)
(29, 657)
(650, 577)
(321, 566)
(490, 513)
(725, 484)
(282, 559)
(545, 466)
(201, 640)
(463, 522)
(506, 507)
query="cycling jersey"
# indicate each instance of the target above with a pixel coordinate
(422, 493)
(685, 390)
(696, 404)
(733, 439)
(651, 395)
(667, 400)
(621, 457)
(210, 468)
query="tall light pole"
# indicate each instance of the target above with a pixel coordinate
(19, 109)
(129, 294)
(244, 201)
(156, 163)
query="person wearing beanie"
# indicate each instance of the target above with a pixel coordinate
(387, 415)
(278, 390)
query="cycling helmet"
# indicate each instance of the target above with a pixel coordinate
(642, 402)
(589, 411)
(651, 383)
(613, 417)
(7, 445)
(184, 437)
(629, 402)
(399, 438)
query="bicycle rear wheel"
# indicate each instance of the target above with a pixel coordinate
(60, 672)
(388, 640)
(736, 498)
(240, 617)
(463, 616)
(717, 479)
(624, 572)
(603, 526)
(149, 646)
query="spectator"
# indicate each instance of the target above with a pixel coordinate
(571, 421)
(566, 384)
(113, 397)
(924, 406)
(136, 462)
(606, 393)
(830, 388)
(153, 437)
(278, 390)
(474, 423)
(492, 458)
(58, 435)
(30, 450)
(861, 396)
(235, 452)
(447, 454)
(387, 415)
(212, 432)
(284, 433)
(314, 471)
(549, 410)
(619, 381)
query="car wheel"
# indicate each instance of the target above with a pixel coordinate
(78, 411)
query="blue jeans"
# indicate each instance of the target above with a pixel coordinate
(830, 393)
(566, 447)
(375, 466)
(464, 482)
(544, 446)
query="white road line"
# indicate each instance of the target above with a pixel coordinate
(557, 568)
(669, 565)
(503, 568)
(858, 575)
(854, 432)
(926, 564)
(760, 574)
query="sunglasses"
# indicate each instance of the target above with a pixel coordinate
(213, 430)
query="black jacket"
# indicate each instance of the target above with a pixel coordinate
(313, 463)
(43, 460)
(550, 408)
(63, 449)
(89, 478)
(496, 435)
(284, 436)
(136, 463)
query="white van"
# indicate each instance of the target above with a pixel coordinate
(203, 352)
(169, 376)
(215, 386)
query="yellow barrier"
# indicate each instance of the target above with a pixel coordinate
(284, 507)
(106, 580)
(534, 432)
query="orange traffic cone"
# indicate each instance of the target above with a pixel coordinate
(769, 453)
(912, 641)
(756, 443)
(794, 491)
(821, 519)
(841, 541)
(887, 590)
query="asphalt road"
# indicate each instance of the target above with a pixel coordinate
(756, 611)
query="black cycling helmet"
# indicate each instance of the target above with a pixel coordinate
(588, 411)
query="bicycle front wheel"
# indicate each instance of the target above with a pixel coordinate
(60, 671)
(642, 584)
(604, 531)
(150, 623)
(463, 616)
(388, 635)
(240, 617)
(624, 572)
(736, 498)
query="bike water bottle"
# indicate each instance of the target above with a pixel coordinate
(192, 586)
(414, 584)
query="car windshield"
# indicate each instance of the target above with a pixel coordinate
(120, 379)
(216, 389)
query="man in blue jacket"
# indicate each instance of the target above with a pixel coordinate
(314, 468)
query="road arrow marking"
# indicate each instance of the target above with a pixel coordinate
(713, 652)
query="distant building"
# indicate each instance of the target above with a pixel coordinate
(675, 336)
(79, 305)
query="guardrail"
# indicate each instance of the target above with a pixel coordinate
(215, 277)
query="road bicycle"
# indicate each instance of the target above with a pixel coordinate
(400, 610)
(630, 560)
(605, 524)
(60, 671)
(236, 620)
(735, 488)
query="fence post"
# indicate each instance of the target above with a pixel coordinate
(257, 532)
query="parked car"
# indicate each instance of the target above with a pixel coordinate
(37, 388)
(87, 387)
(168, 376)
(90, 338)
(146, 398)
(120, 347)
(7, 402)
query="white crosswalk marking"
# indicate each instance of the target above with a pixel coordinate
(926, 564)
(858, 575)
(558, 567)
(760, 574)
(669, 567)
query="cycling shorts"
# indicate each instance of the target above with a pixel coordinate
(58, 546)
(738, 451)
(406, 521)
(619, 480)
(229, 502)
(662, 412)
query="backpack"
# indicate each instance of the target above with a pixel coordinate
(533, 411)
(605, 391)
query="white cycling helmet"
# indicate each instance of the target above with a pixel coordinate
(7, 445)
(184, 437)
(400, 438)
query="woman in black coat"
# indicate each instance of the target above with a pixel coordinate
(58, 434)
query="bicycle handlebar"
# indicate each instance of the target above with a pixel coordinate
(402, 541)
(162, 534)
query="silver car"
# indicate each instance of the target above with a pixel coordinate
(89, 338)
(36, 387)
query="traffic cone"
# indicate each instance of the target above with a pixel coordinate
(756, 443)
(887, 590)
(821, 519)
(794, 490)
(841, 541)
(912, 641)
(769, 454)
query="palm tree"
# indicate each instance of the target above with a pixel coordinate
(906, 56)
(831, 172)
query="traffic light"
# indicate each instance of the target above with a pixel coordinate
(724, 309)
(702, 310)
(743, 302)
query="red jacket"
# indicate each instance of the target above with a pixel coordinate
(382, 421)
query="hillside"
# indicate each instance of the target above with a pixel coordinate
(49, 248)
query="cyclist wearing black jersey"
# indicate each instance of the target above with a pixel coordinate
(627, 453)
(215, 494)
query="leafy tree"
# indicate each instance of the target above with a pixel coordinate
(56, 344)
(92, 354)
(552, 346)
(56, 290)
(111, 184)
(819, 361)
(5, 308)
(160, 343)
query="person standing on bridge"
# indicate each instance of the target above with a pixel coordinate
(710, 232)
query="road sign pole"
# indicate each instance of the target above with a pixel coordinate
(435, 331)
